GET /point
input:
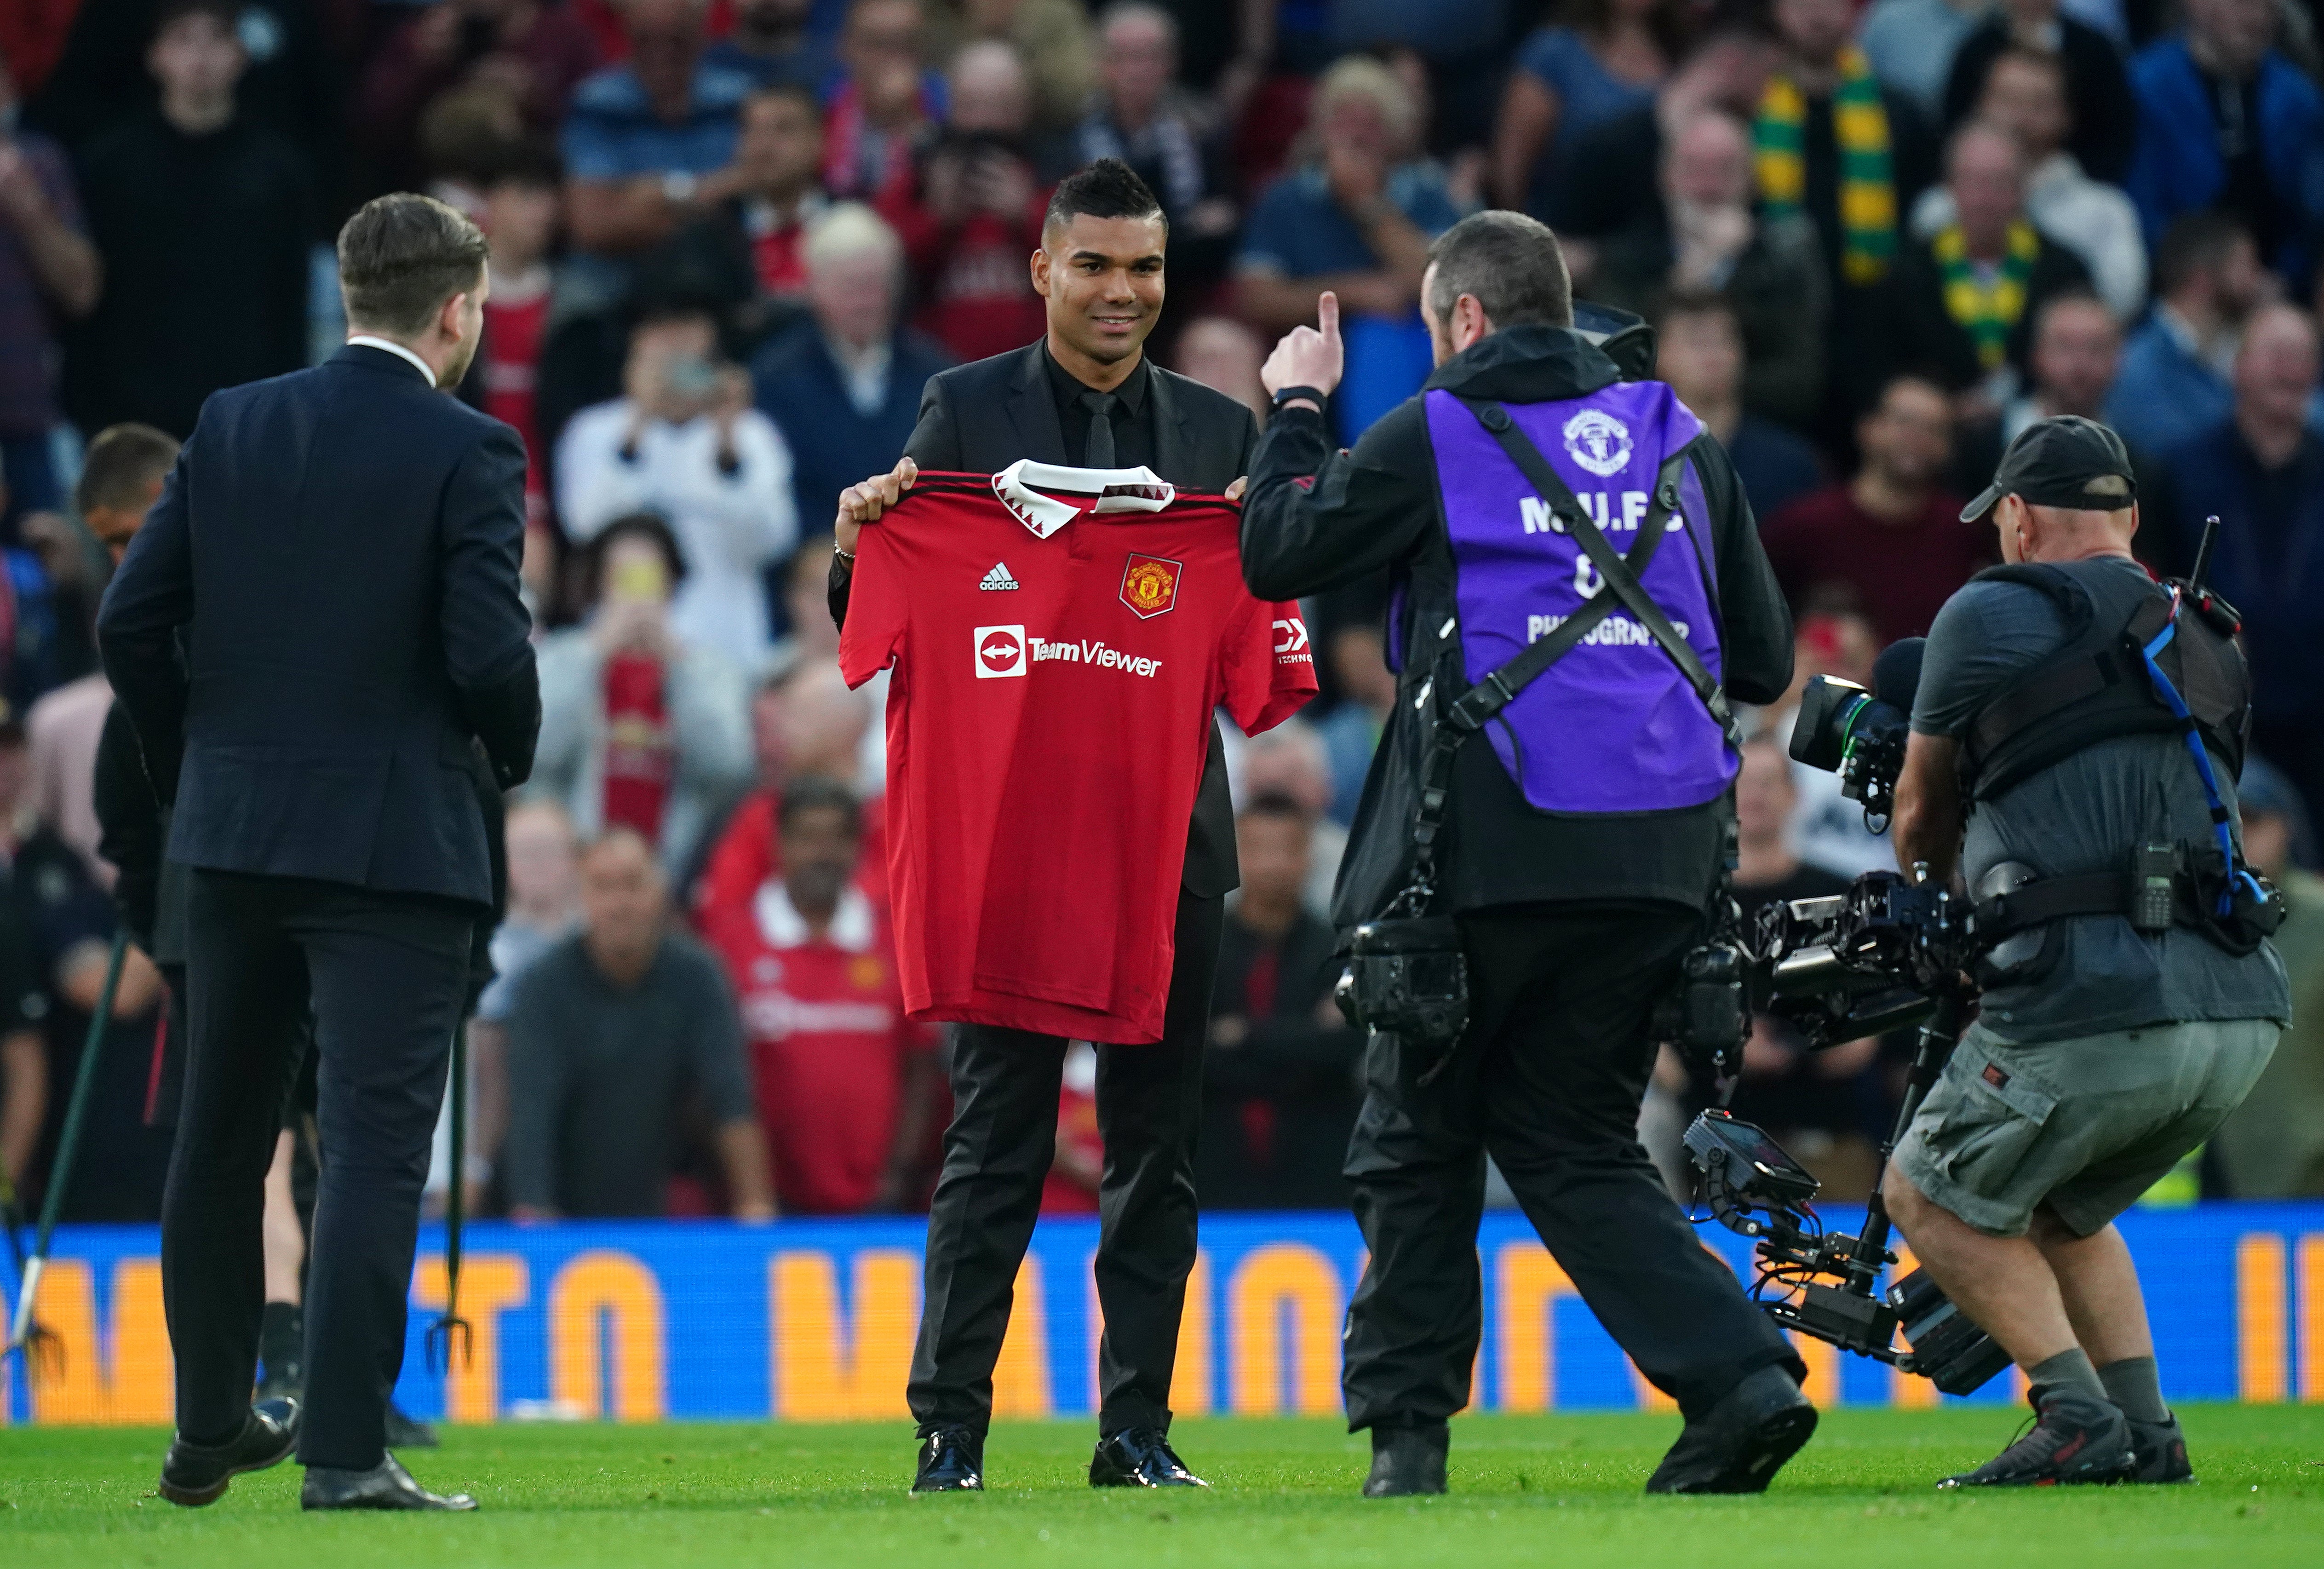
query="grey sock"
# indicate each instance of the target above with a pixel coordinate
(2070, 1370)
(2133, 1384)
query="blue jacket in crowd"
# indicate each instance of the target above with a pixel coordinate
(833, 444)
(2178, 168)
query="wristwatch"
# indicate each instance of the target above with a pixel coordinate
(1291, 395)
(678, 186)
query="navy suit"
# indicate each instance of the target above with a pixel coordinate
(833, 444)
(315, 629)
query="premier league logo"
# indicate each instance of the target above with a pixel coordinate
(1599, 442)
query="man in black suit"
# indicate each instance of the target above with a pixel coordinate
(1085, 396)
(315, 628)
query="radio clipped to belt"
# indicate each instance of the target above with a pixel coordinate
(1406, 973)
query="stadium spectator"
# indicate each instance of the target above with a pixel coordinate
(1351, 730)
(845, 390)
(1817, 1103)
(1225, 356)
(1052, 37)
(532, 51)
(971, 212)
(649, 143)
(2272, 1145)
(845, 1083)
(522, 209)
(1355, 217)
(1077, 1158)
(1170, 137)
(780, 157)
(1892, 535)
(1292, 761)
(23, 999)
(1612, 182)
(32, 37)
(543, 905)
(773, 44)
(202, 218)
(2262, 472)
(1279, 1079)
(2226, 120)
(2025, 95)
(614, 1034)
(886, 100)
(1831, 637)
(639, 727)
(1573, 78)
(1911, 44)
(1700, 352)
(684, 441)
(2103, 112)
(1704, 238)
(2174, 384)
(1966, 296)
(49, 273)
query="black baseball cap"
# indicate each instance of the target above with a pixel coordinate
(2064, 461)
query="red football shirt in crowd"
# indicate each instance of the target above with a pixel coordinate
(1060, 639)
(748, 853)
(513, 329)
(641, 757)
(1900, 574)
(978, 298)
(829, 1042)
(775, 241)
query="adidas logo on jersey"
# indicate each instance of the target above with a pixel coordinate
(997, 577)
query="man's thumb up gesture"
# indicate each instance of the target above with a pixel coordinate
(1307, 356)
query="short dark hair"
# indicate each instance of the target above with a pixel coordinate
(1696, 303)
(121, 464)
(226, 13)
(2196, 240)
(401, 256)
(812, 794)
(651, 527)
(1107, 189)
(524, 160)
(1509, 263)
(1276, 804)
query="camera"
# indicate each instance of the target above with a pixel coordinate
(1859, 735)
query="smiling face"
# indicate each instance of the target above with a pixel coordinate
(1102, 277)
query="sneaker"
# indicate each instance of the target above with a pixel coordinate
(1407, 1460)
(1740, 1443)
(2074, 1439)
(2160, 1452)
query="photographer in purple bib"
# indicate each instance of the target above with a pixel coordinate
(1574, 573)
(2076, 736)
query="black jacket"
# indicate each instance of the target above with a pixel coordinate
(981, 417)
(1925, 340)
(1381, 506)
(340, 547)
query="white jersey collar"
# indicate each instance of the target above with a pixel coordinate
(853, 928)
(1111, 489)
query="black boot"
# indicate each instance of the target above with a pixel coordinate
(194, 1474)
(1740, 1443)
(1408, 1459)
(2075, 1438)
(2160, 1451)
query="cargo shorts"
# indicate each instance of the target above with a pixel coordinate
(2084, 1126)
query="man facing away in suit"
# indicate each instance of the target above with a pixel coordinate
(315, 629)
(1086, 396)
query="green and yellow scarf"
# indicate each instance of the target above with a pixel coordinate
(1987, 303)
(1868, 187)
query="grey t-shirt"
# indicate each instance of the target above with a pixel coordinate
(601, 1079)
(2086, 813)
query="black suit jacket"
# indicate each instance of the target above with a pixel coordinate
(983, 417)
(337, 549)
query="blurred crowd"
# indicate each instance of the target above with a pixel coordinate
(731, 240)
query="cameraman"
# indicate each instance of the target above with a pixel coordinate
(2102, 1053)
(1582, 837)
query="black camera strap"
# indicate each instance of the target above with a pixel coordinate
(1475, 708)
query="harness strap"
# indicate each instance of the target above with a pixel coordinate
(2221, 824)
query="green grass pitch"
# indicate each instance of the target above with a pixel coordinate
(1560, 1491)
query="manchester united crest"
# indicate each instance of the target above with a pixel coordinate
(1149, 585)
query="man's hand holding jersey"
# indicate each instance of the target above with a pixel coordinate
(863, 503)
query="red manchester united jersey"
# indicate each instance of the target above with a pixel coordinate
(1060, 639)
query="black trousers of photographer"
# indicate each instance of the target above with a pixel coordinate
(1548, 1080)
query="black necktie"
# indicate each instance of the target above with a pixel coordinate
(1097, 449)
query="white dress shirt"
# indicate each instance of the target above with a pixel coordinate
(365, 340)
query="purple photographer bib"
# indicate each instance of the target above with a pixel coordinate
(1612, 726)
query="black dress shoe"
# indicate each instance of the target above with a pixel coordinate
(408, 1432)
(2075, 1438)
(1740, 1443)
(952, 1460)
(2159, 1451)
(1407, 1460)
(385, 1486)
(1139, 1457)
(194, 1474)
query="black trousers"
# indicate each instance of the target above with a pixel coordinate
(1549, 1080)
(384, 976)
(997, 1151)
